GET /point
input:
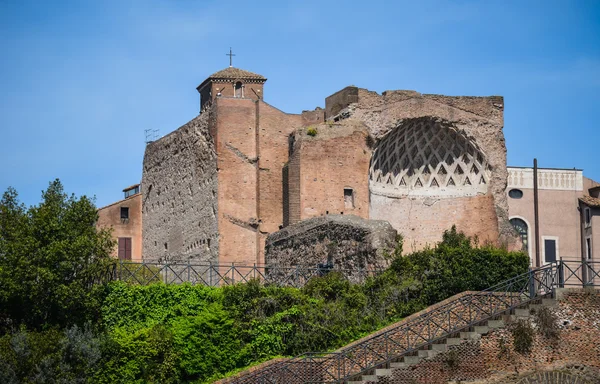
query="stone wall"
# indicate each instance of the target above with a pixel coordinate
(492, 358)
(179, 206)
(346, 242)
(478, 119)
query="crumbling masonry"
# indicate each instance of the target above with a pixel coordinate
(215, 188)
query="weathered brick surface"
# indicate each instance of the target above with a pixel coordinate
(486, 361)
(215, 189)
(479, 118)
(346, 242)
(336, 158)
(252, 148)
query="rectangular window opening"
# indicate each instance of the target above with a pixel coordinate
(588, 248)
(348, 198)
(588, 217)
(132, 191)
(124, 213)
(550, 250)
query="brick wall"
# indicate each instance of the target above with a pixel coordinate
(275, 127)
(576, 350)
(479, 118)
(340, 100)
(337, 158)
(237, 178)
(252, 149)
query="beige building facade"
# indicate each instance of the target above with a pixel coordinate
(562, 194)
(124, 218)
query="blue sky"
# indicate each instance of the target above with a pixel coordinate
(82, 80)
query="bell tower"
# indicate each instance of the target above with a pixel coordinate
(231, 82)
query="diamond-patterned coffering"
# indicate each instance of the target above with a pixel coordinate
(423, 156)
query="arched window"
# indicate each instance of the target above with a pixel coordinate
(521, 227)
(238, 89)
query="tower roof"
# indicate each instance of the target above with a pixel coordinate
(232, 73)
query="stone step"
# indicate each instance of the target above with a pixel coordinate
(549, 302)
(410, 360)
(481, 329)
(453, 341)
(495, 323)
(439, 347)
(427, 353)
(383, 372)
(365, 378)
(522, 312)
(513, 318)
(470, 335)
(398, 364)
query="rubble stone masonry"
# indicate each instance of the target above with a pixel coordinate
(179, 206)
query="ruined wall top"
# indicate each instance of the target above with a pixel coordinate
(340, 104)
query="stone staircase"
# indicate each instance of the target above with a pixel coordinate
(442, 345)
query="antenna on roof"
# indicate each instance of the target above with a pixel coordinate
(230, 54)
(151, 135)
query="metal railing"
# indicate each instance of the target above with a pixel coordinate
(210, 274)
(444, 319)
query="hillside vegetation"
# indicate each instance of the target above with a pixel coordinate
(59, 327)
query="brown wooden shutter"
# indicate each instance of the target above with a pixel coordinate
(128, 248)
(124, 248)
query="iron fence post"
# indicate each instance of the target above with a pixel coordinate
(561, 274)
(188, 270)
(232, 273)
(531, 283)
(210, 274)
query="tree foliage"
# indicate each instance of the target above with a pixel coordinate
(67, 329)
(50, 254)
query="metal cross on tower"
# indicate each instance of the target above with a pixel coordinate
(230, 54)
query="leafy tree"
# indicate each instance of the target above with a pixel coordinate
(50, 256)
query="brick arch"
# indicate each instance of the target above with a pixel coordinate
(553, 377)
(431, 157)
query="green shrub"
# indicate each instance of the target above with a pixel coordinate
(52, 254)
(311, 131)
(70, 356)
(523, 335)
(184, 333)
(547, 323)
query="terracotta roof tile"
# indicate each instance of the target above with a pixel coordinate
(590, 201)
(232, 73)
(236, 73)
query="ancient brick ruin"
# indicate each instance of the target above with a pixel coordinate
(344, 242)
(217, 187)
